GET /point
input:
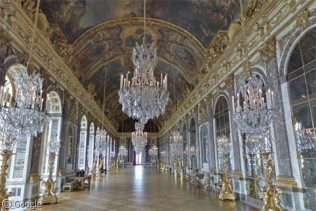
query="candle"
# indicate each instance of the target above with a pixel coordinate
(42, 104)
(1, 95)
(233, 104)
(238, 103)
(121, 82)
(272, 105)
(47, 101)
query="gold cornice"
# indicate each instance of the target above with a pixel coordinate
(139, 20)
(45, 56)
(280, 10)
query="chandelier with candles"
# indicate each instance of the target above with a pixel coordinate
(176, 145)
(251, 113)
(143, 97)
(139, 138)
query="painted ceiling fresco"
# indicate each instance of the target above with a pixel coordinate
(104, 32)
(115, 40)
(202, 18)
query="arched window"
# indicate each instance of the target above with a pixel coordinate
(91, 146)
(222, 128)
(83, 143)
(53, 129)
(193, 145)
(204, 147)
(301, 75)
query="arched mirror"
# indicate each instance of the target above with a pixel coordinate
(301, 74)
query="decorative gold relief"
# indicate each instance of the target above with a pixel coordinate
(229, 82)
(268, 49)
(61, 45)
(253, 7)
(302, 18)
(202, 112)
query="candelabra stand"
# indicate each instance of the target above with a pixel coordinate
(182, 174)
(271, 194)
(49, 195)
(93, 169)
(253, 192)
(4, 195)
(100, 167)
(175, 167)
(227, 191)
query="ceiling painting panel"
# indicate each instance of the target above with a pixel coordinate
(119, 40)
(202, 18)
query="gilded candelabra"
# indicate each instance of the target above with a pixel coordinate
(4, 195)
(271, 198)
(227, 191)
(182, 173)
(49, 195)
(93, 169)
(100, 167)
(175, 167)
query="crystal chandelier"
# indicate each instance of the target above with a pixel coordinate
(176, 145)
(223, 144)
(101, 141)
(54, 144)
(143, 97)
(25, 115)
(304, 138)
(153, 151)
(251, 113)
(123, 151)
(139, 138)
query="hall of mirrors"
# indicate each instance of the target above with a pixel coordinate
(281, 51)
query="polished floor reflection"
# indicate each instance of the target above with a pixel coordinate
(140, 188)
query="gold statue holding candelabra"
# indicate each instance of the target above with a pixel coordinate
(271, 198)
(4, 195)
(227, 190)
(224, 147)
(49, 196)
(93, 169)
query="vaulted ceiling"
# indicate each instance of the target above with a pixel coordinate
(103, 33)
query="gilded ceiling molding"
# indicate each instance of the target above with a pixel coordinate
(46, 56)
(276, 13)
(139, 20)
